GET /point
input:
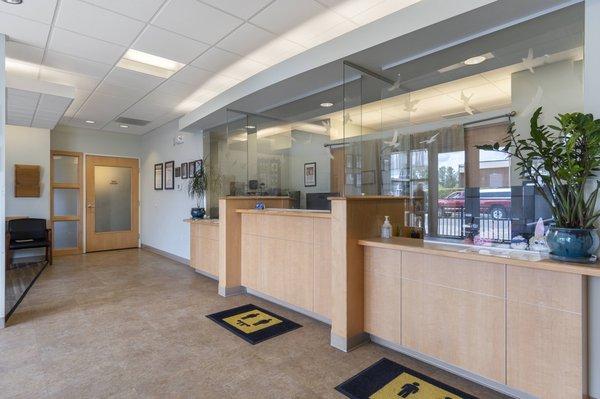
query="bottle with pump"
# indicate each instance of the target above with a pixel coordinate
(386, 228)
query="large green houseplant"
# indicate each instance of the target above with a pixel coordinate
(559, 160)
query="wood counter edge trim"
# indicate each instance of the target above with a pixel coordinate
(203, 221)
(372, 198)
(285, 213)
(256, 197)
(541, 265)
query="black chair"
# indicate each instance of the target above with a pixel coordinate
(26, 234)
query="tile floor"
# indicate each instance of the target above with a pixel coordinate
(131, 324)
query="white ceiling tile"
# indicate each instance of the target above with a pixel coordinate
(350, 8)
(38, 10)
(382, 9)
(191, 76)
(240, 8)
(76, 80)
(196, 20)
(285, 14)
(169, 45)
(24, 52)
(49, 111)
(243, 69)
(103, 107)
(135, 80)
(80, 97)
(70, 63)
(216, 59)
(219, 83)
(85, 47)
(120, 91)
(175, 89)
(246, 39)
(138, 9)
(276, 51)
(21, 69)
(20, 106)
(97, 22)
(24, 30)
(148, 109)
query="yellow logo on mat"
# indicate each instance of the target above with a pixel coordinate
(408, 386)
(252, 321)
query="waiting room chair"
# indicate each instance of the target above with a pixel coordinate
(26, 234)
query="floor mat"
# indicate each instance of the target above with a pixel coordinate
(253, 323)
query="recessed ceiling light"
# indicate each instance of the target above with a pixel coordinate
(326, 105)
(90, 122)
(475, 60)
(124, 126)
(13, 1)
(149, 64)
(250, 127)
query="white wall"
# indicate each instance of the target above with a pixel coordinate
(592, 105)
(2, 175)
(28, 146)
(90, 141)
(163, 211)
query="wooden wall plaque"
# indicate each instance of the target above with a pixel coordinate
(27, 181)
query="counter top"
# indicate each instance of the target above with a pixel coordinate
(287, 212)
(256, 197)
(532, 260)
(202, 221)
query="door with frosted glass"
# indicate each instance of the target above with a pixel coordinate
(111, 203)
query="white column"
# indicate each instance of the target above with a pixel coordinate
(2, 175)
(592, 105)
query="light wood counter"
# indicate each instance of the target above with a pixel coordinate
(204, 246)
(517, 322)
(286, 255)
(514, 258)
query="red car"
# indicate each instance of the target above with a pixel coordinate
(495, 202)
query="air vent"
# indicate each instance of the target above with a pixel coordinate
(132, 121)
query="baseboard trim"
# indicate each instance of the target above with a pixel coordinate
(348, 344)
(205, 274)
(166, 254)
(231, 291)
(295, 308)
(496, 386)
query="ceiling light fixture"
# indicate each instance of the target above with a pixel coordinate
(475, 60)
(13, 1)
(124, 126)
(149, 64)
(90, 122)
(250, 127)
(326, 105)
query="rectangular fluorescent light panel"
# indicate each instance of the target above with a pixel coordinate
(149, 64)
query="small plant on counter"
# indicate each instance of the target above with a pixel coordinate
(197, 187)
(560, 160)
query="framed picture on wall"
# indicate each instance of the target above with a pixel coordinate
(368, 177)
(191, 169)
(177, 171)
(310, 174)
(184, 170)
(169, 175)
(158, 176)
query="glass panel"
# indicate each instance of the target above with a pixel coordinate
(66, 202)
(64, 235)
(112, 185)
(65, 169)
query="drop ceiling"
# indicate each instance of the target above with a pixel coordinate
(222, 42)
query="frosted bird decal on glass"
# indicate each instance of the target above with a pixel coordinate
(347, 119)
(535, 102)
(431, 140)
(528, 62)
(396, 84)
(411, 106)
(466, 101)
(394, 142)
(327, 125)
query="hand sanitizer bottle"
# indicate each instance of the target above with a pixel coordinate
(386, 228)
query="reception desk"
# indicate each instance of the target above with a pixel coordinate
(516, 321)
(204, 246)
(286, 255)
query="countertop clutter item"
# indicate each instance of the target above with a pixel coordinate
(386, 228)
(559, 160)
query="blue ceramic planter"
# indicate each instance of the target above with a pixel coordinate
(198, 213)
(576, 245)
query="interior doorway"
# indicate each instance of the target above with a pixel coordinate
(112, 203)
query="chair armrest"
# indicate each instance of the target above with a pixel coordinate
(49, 235)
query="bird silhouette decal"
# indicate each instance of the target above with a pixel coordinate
(466, 102)
(411, 106)
(394, 143)
(396, 84)
(528, 62)
(431, 140)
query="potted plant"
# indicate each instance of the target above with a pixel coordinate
(197, 187)
(560, 160)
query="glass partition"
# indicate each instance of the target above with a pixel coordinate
(411, 129)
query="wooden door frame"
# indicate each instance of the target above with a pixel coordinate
(136, 192)
(80, 216)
